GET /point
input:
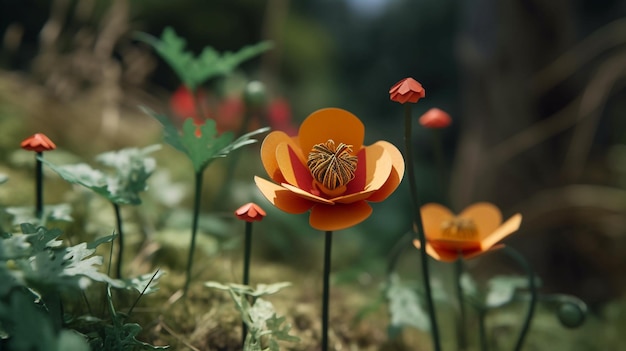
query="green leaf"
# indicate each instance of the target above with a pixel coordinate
(207, 146)
(280, 332)
(194, 71)
(405, 307)
(71, 340)
(141, 282)
(501, 289)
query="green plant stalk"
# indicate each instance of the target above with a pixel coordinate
(328, 242)
(120, 251)
(461, 323)
(246, 270)
(419, 226)
(533, 295)
(38, 185)
(482, 330)
(194, 228)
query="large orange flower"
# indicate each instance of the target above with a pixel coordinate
(327, 169)
(474, 231)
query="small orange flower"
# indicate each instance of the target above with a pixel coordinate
(435, 118)
(407, 90)
(38, 142)
(474, 231)
(250, 212)
(327, 169)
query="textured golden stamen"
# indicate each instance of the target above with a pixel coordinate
(459, 228)
(331, 166)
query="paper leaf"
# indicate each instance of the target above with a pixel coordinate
(405, 307)
(501, 289)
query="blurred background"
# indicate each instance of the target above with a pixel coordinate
(535, 90)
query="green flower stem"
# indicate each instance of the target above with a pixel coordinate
(482, 330)
(533, 295)
(120, 251)
(462, 333)
(326, 293)
(439, 160)
(419, 227)
(39, 185)
(246, 269)
(194, 228)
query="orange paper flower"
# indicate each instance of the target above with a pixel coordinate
(250, 212)
(38, 142)
(435, 118)
(407, 90)
(474, 231)
(327, 169)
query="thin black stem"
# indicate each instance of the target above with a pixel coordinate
(39, 185)
(533, 295)
(462, 324)
(482, 330)
(194, 228)
(246, 270)
(326, 293)
(419, 227)
(120, 251)
(130, 310)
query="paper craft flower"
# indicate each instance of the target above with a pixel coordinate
(474, 231)
(327, 169)
(38, 142)
(407, 90)
(435, 118)
(250, 212)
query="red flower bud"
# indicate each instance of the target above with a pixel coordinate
(407, 90)
(38, 142)
(250, 212)
(435, 118)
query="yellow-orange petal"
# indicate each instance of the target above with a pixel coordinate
(486, 217)
(395, 176)
(306, 194)
(470, 255)
(339, 216)
(439, 255)
(331, 123)
(378, 165)
(507, 228)
(282, 198)
(433, 216)
(268, 153)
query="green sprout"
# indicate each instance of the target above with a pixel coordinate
(201, 143)
(132, 168)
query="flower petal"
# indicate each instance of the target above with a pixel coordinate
(292, 168)
(395, 176)
(433, 216)
(268, 153)
(439, 255)
(510, 226)
(472, 254)
(306, 194)
(339, 216)
(486, 216)
(331, 123)
(282, 198)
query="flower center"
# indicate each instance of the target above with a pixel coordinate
(332, 166)
(459, 228)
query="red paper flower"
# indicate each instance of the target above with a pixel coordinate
(435, 118)
(38, 142)
(407, 90)
(250, 212)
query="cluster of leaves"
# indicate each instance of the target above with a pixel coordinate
(132, 168)
(195, 70)
(35, 270)
(264, 326)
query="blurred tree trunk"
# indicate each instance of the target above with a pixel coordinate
(502, 44)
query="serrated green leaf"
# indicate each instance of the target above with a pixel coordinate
(404, 306)
(501, 289)
(280, 332)
(205, 147)
(146, 283)
(194, 71)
